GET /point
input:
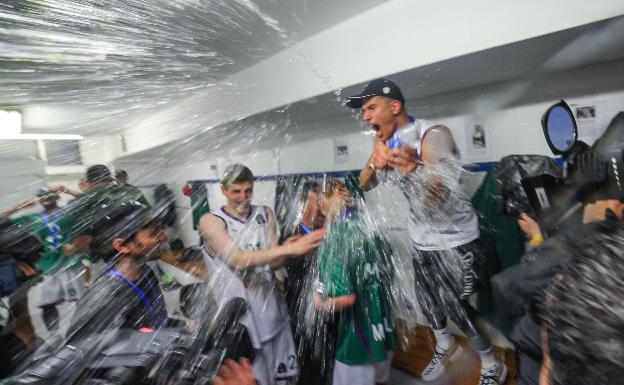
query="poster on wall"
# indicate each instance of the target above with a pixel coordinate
(341, 151)
(477, 140)
(590, 120)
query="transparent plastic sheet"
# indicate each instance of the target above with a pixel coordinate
(385, 213)
(355, 259)
(426, 282)
(113, 59)
(110, 61)
(133, 56)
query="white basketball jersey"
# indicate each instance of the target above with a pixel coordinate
(266, 304)
(455, 222)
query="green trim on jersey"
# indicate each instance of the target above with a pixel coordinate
(86, 209)
(35, 224)
(353, 262)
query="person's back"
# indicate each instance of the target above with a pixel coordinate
(582, 319)
(351, 262)
(354, 279)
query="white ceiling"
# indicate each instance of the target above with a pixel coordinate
(526, 62)
(71, 66)
(61, 58)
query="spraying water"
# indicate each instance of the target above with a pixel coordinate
(116, 288)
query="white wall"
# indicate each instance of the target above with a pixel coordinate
(23, 168)
(515, 130)
(22, 173)
(20, 181)
(333, 58)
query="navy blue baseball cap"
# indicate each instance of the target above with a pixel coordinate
(378, 87)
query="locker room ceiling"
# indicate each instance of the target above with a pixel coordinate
(562, 64)
(59, 49)
(588, 45)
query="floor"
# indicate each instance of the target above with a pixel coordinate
(398, 377)
(417, 349)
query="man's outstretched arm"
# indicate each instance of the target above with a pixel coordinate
(220, 243)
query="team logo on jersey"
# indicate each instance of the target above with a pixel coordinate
(260, 219)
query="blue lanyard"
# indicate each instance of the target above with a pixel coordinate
(305, 228)
(53, 229)
(395, 141)
(148, 304)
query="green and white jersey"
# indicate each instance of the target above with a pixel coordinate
(352, 261)
(52, 230)
(86, 209)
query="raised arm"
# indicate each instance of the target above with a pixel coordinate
(66, 190)
(220, 243)
(273, 232)
(20, 206)
(378, 160)
(368, 179)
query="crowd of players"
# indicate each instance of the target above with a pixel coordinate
(330, 318)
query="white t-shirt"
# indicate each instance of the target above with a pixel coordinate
(266, 304)
(454, 222)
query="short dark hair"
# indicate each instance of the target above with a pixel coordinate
(98, 173)
(330, 186)
(310, 186)
(118, 220)
(237, 173)
(584, 314)
(121, 173)
(45, 193)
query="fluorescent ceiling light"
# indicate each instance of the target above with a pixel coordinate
(10, 122)
(11, 129)
(41, 137)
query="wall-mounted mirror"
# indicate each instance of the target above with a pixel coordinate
(560, 128)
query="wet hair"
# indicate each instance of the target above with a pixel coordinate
(310, 187)
(330, 186)
(235, 174)
(584, 314)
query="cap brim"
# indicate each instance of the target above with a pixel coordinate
(357, 100)
(354, 101)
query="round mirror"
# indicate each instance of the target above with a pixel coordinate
(559, 128)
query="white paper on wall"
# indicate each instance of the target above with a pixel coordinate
(341, 151)
(477, 140)
(591, 120)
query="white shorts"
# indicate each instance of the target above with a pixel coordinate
(67, 285)
(279, 357)
(368, 374)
